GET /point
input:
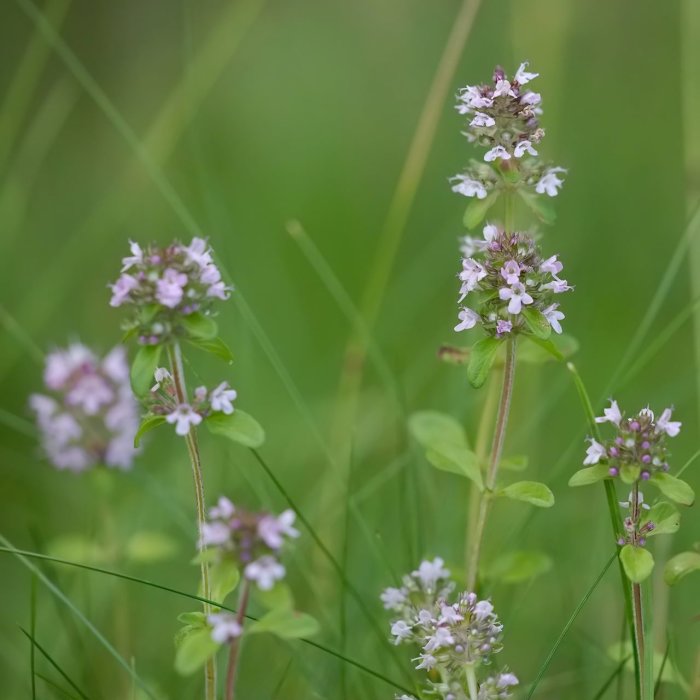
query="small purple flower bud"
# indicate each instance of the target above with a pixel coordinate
(614, 452)
(646, 445)
(642, 541)
(619, 440)
(613, 471)
(646, 459)
(645, 475)
(459, 648)
(621, 541)
(155, 259)
(634, 426)
(143, 340)
(154, 340)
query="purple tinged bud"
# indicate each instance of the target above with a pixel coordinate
(143, 340)
(645, 475)
(459, 648)
(666, 467)
(621, 541)
(642, 541)
(646, 459)
(614, 452)
(155, 259)
(154, 340)
(646, 445)
(619, 440)
(613, 471)
(634, 426)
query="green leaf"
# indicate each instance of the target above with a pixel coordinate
(680, 566)
(537, 351)
(214, 346)
(148, 546)
(629, 473)
(674, 488)
(665, 517)
(237, 426)
(457, 460)
(199, 326)
(193, 619)
(590, 475)
(286, 624)
(224, 577)
(195, 646)
(529, 491)
(536, 322)
(637, 562)
(433, 430)
(477, 209)
(539, 205)
(618, 652)
(521, 565)
(482, 356)
(147, 424)
(278, 597)
(143, 367)
(516, 463)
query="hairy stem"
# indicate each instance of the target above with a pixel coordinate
(236, 642)
(496, 450)
(175, 358)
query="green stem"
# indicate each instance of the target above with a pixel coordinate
(616, 523)
(175, 358)
(496, 450)
(236, 642)
(471, 682)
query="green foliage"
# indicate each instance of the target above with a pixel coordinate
(278, 597)
(674, 488)
(146, 361)
(537, 324)
(629, 473)
(199, 327)
(76, 547)
(147, 424)
(194, 646)
(619, 652)
(148, 547)
(433, 430)
(540, 205)
(223, 578)
(665, 517)
(680, 566)
(477, 209)
(516, 463)
(238, 427)
(481, 359)
(535, 350)
(214, 346)
(457, 460)
(589, 475)
(533, 492)
(637, 562)
(286, 624)
(517, 566)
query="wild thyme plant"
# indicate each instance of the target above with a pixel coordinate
(637, 456)
(456, 635)
(170, 292)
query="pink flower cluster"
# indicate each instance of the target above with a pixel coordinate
(163, 285)
(90, 416)
(253, 540)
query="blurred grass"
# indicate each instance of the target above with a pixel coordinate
(256, 113)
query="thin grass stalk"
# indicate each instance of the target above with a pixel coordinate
(177, 370)
(494, 462)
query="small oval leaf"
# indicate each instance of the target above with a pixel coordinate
(521, 565)
(536, 323)
(223, 577)
(590, 475)
(286, 624)
(629, 473)
(637, 562)
(237, 426)
(477, 209)
(517, 463)
(194, 647)
(665, 517)
(457, 460)
(147, 424)
(533, 492)
(674, 488)
(146, 547)
(680, 566)
(433, 429)
(481, 359)
(199, 326)
(143, 367)
(214, 346)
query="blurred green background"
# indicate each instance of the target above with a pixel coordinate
(155, 119)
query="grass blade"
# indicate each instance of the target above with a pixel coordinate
(48, 657)
(611, 679)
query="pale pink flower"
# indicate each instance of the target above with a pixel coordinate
(184, 417)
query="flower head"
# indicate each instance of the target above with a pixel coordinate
(164, 286)
(89, 416)
(224, 627)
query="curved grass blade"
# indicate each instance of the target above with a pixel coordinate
(611, 679)
(63, 693)
(67, 601)
(657, 684)
(32, 627)
(567, 627)
(48, 657)
(20, 553)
